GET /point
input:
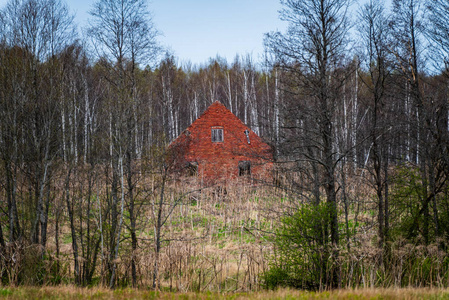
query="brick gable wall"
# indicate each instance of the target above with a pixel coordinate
(220, 160)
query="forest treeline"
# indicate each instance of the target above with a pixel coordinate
(356, 111)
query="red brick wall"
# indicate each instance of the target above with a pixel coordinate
(220, 160)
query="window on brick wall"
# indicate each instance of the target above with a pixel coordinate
(244, 168)
(217, 134)
(192, 168)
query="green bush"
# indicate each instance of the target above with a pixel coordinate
(303, 253)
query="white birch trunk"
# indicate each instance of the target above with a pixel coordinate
(138, 149)
(276, 110)
(228, 77)
(354, 120)
(169, 98)
(408, 112)
(75, 122)
(195, 107)
(86, 119)
(150, 127)
(111, 137)
(346, 129)
(245, 97)
(254, 114)
(64, 143)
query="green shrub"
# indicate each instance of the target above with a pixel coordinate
(303, 253)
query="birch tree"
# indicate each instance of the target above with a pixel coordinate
(36, 31)
(124, 36)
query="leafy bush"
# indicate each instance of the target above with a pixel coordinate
(303, 252)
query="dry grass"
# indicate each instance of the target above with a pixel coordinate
(216, 243)
(71, 292)
(219, 243)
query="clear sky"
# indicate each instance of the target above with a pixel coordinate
(196, 30)
(199, 29)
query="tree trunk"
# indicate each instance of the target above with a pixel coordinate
(72, 228)
(119, 229)
(14, 227)
(157, 233)
(44, 220)
(2, 239)
(132, 218)
(386, 199)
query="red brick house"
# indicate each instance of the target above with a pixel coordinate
(219, 147)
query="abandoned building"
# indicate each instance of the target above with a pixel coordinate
(218, 146)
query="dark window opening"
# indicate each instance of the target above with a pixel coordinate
(192, 168)
(217, 135)
(244, 168)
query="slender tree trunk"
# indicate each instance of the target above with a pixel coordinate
(57, 230)
(119, 229)
(132, 218)
(434, 201)
(14, 229)
(72, 228)
(86, 119)
(228, 77)
(354, 119)
(157, 233)
(245, 97)
(113, 217)
(276, 110)
(386, 198)
(63, 131)
(253, 104)
(346, 206)
(2, 239)
(89, 250)
(40, 214)
(331, 196)
(44, 220)
(379, 185)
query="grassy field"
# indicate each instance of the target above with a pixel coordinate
(217, 240)
(70, 292)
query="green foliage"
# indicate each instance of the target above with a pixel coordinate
(303, 251)
(406, 196)
(67, 238)
(277, 277)
(5, 292)
(444, 214)
(32, 271)
(420, 265)
(412, 206)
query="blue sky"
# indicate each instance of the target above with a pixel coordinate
(199, 29)
(196, 30)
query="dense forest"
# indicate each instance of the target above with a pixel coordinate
(352, 98)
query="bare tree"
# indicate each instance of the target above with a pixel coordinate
(408, 28)
(439, 33)
(124, 37)
(35, 31)
(377, 63)
(311, 50)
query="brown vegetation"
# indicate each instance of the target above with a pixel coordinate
(71, 292)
